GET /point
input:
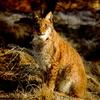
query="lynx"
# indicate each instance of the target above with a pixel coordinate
(59, 59)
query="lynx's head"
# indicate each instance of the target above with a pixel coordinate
(45, 27)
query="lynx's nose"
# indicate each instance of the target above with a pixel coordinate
(45, 35)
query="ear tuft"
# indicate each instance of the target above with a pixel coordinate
(49, 16)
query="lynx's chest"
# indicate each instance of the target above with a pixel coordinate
(44, 56)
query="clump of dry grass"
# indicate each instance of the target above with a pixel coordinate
(17, 66)
(44, 93)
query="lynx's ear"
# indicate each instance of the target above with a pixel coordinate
(49, 16)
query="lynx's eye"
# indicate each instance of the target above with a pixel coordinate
(43, 29)
(46, 26)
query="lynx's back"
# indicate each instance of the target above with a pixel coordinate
(63, 64)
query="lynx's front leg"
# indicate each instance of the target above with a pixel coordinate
(52, 76)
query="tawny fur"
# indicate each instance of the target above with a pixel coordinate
(62, 62)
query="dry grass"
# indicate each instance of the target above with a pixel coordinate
(26, 80)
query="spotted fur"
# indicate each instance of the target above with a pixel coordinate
(62, 62)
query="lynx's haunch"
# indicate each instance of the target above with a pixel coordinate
(59, 59)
